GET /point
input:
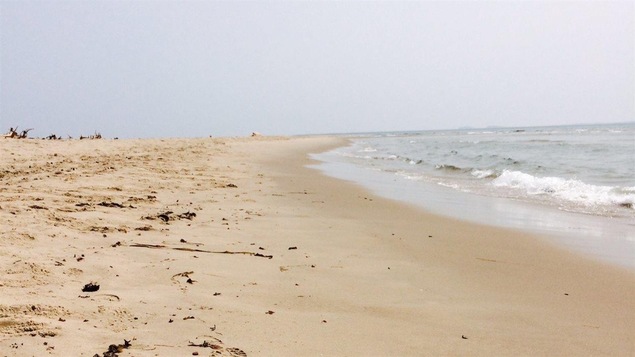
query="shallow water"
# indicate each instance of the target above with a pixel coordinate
(575, 184)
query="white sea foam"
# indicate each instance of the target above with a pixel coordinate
(451, 185)
(409, 176)
(481, 174)
(368, 149)
(572, 191)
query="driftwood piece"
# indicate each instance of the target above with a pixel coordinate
(91, 137)
(24, 133)
(206, 344)
(13, 133)
(110, 204)
(161, 246)
(170, 216)
(38, 207)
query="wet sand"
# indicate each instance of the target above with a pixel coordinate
(232, 247)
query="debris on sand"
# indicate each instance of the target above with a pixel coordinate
(13, 133)
(170, 216)
(38, 207)
(113, 205)
(96, 136)
(90, 287)
(114, 350)
(187, 215)
(161, 246)
(217, 345)
(206, 344)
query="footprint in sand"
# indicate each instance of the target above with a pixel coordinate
(25, 274)
(18, 320)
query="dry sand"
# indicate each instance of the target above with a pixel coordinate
(350, 274)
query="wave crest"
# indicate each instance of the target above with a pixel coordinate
(569, 190)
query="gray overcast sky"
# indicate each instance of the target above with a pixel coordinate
(200, 68)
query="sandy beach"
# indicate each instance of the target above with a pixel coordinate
(233, 247)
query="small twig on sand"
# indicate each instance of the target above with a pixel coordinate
(161, 246)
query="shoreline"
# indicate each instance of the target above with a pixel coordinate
(392, 278)
(602, 238)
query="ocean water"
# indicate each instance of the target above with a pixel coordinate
(576, 183)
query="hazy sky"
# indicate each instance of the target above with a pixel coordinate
(200, 68)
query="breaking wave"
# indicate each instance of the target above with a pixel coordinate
(568, 190)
